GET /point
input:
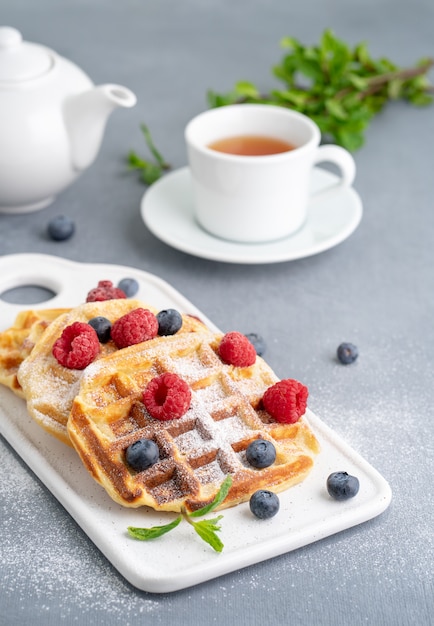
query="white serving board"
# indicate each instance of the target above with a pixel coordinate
(180, 558)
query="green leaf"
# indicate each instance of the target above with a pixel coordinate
(293, 96)
(206, 529)
(218, 100)
(149, 142)
(394, 88)
(357, 81)
(220, 496)
(352, 141)
(145, 534)
(338, 86)
(421, 99)
(134, 161)
(244, 88)
(362, 55)
(290, 42)
(335, 108)
(151, 173)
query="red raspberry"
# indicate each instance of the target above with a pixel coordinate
(134, 327)
(237, 350)
(167, 397)
(286, 401)
(77, 346)
(105, 291)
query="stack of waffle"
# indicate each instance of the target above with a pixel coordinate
(100, 411)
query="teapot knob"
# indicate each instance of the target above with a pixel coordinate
(9, 37)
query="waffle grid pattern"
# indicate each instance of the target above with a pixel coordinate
(198, 450)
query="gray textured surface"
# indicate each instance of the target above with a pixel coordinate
(375, 289)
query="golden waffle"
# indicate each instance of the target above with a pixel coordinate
(49, 388)
(197, 450)
(17, 342)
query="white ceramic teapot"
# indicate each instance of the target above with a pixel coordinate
(52, 120)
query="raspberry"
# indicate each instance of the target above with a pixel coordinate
(77, 346)
(134, 327)
(286, 401)
(237, 350)
(167, 397)
(104, 291)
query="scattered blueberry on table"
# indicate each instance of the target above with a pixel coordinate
(61, 228)
(347, 353)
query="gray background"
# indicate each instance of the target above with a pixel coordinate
(375, 289)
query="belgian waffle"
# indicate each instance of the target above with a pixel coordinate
(17, 342)
(48, 387)
(197, 450)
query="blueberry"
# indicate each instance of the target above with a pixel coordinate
(258, 342)
(169, 322)
(102, 327)
(142, 454)
(347, 353)
(264, 504)
(61, 228)
(342, 485)
(129, 286)
(261, 453)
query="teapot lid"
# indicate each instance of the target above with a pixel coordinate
(21, 60)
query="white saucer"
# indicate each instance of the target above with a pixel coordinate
(167, 210)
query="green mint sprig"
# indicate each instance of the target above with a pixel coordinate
(339, 87)
(206, 529)
(150, 171)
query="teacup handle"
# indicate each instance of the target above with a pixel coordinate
(343, 160)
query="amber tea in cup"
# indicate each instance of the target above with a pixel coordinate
(251, 145)
(248, 194)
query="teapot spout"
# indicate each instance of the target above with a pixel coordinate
(86, 115)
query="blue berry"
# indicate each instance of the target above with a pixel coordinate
(61, 228)
(264, 504)
(261, 453)
(342, 486)
(169, 321)
(129, 286)
(258, 343)
(347, 353)
(102, 327)
(142, 454)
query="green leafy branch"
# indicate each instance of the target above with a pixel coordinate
(339, 87)
(150, 171)
(206, 529)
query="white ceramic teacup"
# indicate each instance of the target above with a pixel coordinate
(257, 198)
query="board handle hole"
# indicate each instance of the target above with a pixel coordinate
(27, 294)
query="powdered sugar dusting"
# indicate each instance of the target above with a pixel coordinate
(60, 563)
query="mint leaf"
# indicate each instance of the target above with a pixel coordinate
(206, 529)
(220, 496)
(149, 142)
(145, 534)
(150, 171)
